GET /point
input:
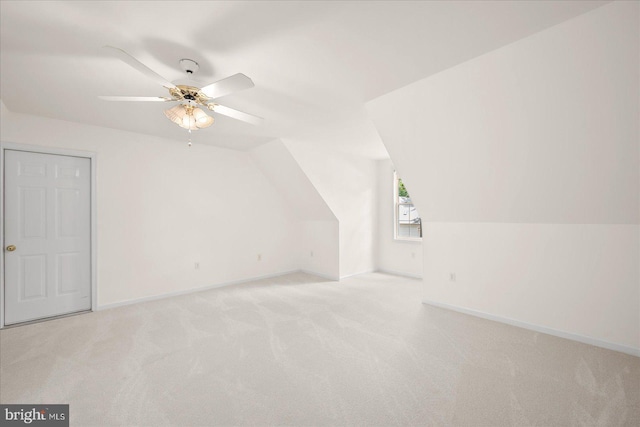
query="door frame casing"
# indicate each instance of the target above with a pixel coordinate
(92, 156)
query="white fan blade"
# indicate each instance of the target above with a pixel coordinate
(137, 98)
(239, 115)
(223, 87)
(124, 56)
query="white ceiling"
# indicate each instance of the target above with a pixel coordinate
(314, 64)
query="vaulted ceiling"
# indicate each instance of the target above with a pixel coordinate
(314, 64)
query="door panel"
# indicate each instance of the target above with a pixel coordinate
(69, 272)
(33, 272)
(32, 201)
(47, 217)
(67, 211)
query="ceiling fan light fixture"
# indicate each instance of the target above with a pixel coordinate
(202, 120)
(188, 117)
(175, 114)
(188, 122)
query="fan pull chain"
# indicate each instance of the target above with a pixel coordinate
(189, 137)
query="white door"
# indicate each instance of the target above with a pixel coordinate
(47, 230)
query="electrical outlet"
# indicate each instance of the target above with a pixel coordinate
(413, 254)
(259, 257)
(452, 277)
(311, 254)
(196, 265)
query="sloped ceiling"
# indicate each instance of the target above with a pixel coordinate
(282, 169)
(314, 64)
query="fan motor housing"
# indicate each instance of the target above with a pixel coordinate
(190, 93)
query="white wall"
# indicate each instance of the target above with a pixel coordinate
(402, 257)
(347, 183)
(524, 163)
(319, 244)
(318, 231)
(163, 206)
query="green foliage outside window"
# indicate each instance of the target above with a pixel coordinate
(402, 191)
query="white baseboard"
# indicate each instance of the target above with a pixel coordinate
(400, 273)
(193, 290)
(322, 275)
(346, 276)
(537, 328)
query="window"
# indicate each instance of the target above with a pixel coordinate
(408, 225)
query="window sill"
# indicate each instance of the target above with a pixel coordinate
(408, 239)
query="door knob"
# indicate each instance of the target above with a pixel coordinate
(11, 248)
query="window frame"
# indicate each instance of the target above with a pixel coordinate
(396, 207)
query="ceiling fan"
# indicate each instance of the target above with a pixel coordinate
(187, 113)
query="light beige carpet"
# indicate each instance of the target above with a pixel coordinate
(299, 351)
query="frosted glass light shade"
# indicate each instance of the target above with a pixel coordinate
(176, 114)
(188, 117)
(202, 120)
